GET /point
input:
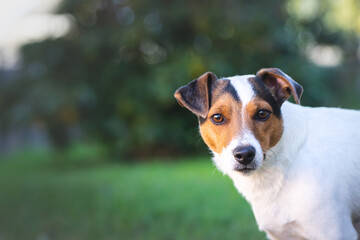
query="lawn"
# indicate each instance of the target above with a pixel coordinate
(185, 199)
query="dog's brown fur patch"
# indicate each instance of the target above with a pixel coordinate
(267, 132)
(217, 137)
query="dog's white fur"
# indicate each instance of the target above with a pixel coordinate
(308, 187)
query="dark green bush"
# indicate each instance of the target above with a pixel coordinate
(112, 77)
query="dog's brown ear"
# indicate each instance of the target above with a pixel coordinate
(280, 84)
(195, 95)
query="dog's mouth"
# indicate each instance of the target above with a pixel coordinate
(244, 169)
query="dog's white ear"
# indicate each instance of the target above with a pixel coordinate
(195, 96)
(280, 84)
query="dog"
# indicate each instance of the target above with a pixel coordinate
(298, 167)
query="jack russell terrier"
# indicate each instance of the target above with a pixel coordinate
(299, 167)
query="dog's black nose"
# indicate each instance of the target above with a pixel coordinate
(244, 154)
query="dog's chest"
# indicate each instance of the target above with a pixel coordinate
(277, 223)
(273, 204)
(288, 231)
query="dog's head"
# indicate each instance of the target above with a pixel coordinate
(239, 117)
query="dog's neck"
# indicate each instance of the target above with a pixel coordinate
(267, 181)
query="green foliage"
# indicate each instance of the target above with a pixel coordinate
(186, 200)
(114, 74)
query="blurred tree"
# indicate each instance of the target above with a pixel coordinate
(114, 74)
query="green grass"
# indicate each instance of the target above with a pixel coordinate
(40, 199)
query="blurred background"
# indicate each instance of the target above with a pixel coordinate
(92, 143)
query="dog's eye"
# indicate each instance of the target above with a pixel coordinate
(217, 118)
(263, 115)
